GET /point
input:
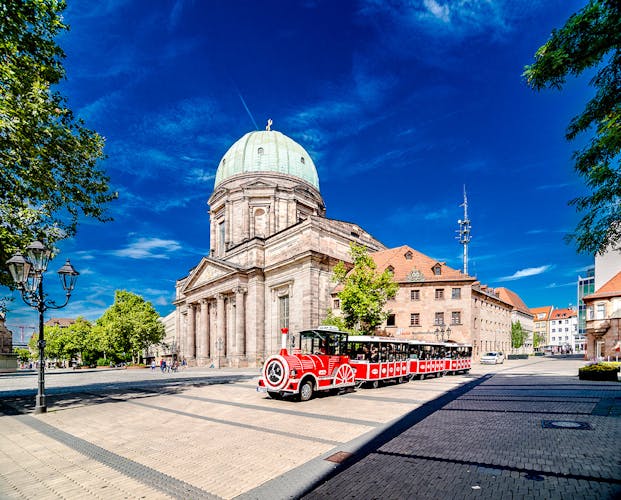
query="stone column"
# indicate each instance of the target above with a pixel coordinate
(191, 332)
(221, 323)
(202, 331)
(240, 322)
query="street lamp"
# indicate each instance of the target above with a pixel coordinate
(440, 332)
(28, 276)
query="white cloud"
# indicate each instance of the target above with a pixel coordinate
(524, 273)
(438, 11)
(149, 248)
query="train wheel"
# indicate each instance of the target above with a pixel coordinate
(274, 395)
(344, 376)
(400, 380)
(375, 384)
(306, 390)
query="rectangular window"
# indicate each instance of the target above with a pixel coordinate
(337, 304)
(553, 339)
(414, 294)
(439, 319)
(439, 293)
(456, 318)
(456, 293)
(600, 312)
(591, 312)
(221, 237)
(390, 321)
(553, 330)
(283, 311)
(415, 319)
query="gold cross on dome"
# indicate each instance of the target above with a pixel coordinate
(269, 124)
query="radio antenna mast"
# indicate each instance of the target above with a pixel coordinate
(464, 231)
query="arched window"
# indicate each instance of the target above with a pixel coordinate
(260, 222)
(302, 160)
(260, 151)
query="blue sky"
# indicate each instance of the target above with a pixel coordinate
(399, 103)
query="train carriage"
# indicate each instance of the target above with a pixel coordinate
(378, 359)
(324, 359)
(318, 363)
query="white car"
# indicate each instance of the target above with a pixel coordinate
(492, 358)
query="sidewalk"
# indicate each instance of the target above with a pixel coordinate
(525, 429)
(508, 435)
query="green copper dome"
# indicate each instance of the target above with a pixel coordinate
(267, 151)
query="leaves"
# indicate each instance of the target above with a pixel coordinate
(48, 157)
(590, 38)
(365, 291)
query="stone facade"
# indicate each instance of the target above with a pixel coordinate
(603, 321)
(436, 302)
(272, 251)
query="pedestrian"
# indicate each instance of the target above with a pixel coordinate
(184, 363)
(163, 365)
(152, 365)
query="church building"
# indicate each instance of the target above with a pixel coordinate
(272, 251)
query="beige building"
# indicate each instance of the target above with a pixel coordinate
(272, 251)
(519, 312)
(541, 315)
(437, 302)
(603, 321)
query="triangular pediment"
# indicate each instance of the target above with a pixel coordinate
(258, 183)
(208, 270)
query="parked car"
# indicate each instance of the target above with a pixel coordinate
(492, 358)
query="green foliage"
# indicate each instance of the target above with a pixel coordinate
(365, 291)
(128, 326)
(338, 321)
(591, 38)
(64, 343)
(48, 174)
(601, 367)
(22, 354)
(538, 339)
(518, 335)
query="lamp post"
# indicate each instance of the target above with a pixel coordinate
(28, 276)
(440, 332)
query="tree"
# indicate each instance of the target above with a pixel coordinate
(590, 38)
(47, 156)
(22, 353)
(538, 339)
(518, 335)
(365, 291)
(130, 325)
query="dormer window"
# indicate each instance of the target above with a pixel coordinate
(390, 269)
(260, 151)
(302, 160)
(224, 161)
(437, 270)
(408, 255)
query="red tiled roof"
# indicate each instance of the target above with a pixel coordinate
(62, 322)
(563, 313)
(612, 288)
(514, 299)
(418, 267)
(535, 311)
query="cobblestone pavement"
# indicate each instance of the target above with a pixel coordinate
(533, 431)
(523, 429)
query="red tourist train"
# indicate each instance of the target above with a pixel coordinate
(327, 359)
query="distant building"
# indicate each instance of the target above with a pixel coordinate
(603, 324)
(60, 322)
(519, 312)
(435, 298)
(607, 265)
(8, 360)
(564, 331)
(541, 317)
(586, 286)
